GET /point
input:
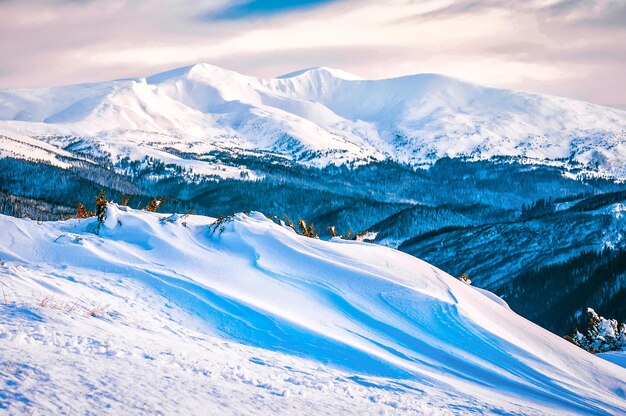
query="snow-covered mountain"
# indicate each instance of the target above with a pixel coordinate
(316, 116)
(166, 314)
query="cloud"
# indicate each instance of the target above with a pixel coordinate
(563, 47)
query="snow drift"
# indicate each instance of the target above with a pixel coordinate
(319, 116)
(326, 326)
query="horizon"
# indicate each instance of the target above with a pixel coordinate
(564, 48)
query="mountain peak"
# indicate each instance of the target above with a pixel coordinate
(199, 70)
(321, 71)
(416, 119)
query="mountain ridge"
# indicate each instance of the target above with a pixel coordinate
(321, 116)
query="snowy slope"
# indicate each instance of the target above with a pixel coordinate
(616, 357)
(320, 116)
(161, 314)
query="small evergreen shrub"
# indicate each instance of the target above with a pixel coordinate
(310, 231)
(81, 212)
(287, 222)
(365, 236)
(601, 335)
(307, 231)
(125, 200)
(101, 209)
(465, 278)
(154, 205)
(218, 224)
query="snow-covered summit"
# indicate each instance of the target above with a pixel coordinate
(320, 116)
(251, 315)
(321, 71)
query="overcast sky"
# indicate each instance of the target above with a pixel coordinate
(573, 48)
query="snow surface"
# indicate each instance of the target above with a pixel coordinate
(616, 357)
(320, 116)
(24, 147)
(165, 314)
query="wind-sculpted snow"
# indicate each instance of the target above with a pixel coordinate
(378, 328)
(320, 116)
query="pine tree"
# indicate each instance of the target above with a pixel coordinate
(101, 209)
(154, 205)
(602, 335)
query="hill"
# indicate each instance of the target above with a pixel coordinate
(169, 313)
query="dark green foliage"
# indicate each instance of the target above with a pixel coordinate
(307, 231)
(288, 222)
(101, 209)
(590, 279)
(81, 212)
(358, 236)
(154, 204)
(451, 193)
(25, 207)
(406, 244)
(219, 222)
(597, 201)
(125, 199)
(537, 209)
(420, 220)
(601, 334)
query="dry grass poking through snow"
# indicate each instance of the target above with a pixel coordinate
(78, 306)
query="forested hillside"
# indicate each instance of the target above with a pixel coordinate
(500, 222)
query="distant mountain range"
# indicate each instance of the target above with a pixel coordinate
(316, 116)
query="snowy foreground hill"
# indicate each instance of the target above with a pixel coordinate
(164, 314)
(317, 117)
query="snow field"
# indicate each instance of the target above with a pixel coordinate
(254, 319)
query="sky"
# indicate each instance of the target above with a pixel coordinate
(571, 48)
